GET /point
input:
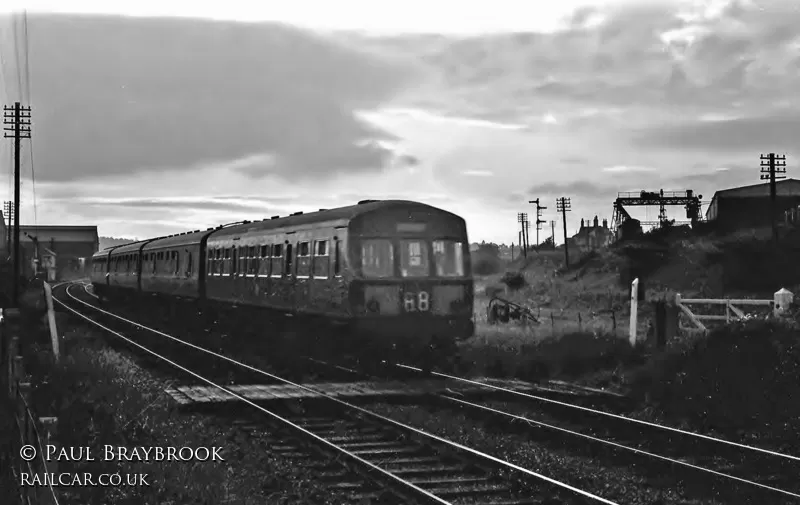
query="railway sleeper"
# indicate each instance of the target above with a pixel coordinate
(430, 469)
(456, 479)
(387, 450)
(470, 490)
(418, 460)
(353, 438)
(376, 444)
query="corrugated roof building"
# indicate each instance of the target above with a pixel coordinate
(749, 206)
(64, 251)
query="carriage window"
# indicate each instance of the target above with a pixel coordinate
(263, 264)
(277, 260)
(413, 258)
(234, 253)
(252, 263)
(448, 258)
(189, 264)
(337, 269)
(303, 249)
(321, 260)
(177, 262)
(377, 258)
(303, 259)
(288, 265)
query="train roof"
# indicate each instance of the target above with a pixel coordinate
(181, 239)
(342, 214)
(130, 247)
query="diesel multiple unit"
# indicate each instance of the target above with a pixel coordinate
(392, 270)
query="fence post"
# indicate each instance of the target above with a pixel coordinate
(24, 433)
(17, 375)
(634, 310)
(783, 299)
(51, 319)
(48, 434)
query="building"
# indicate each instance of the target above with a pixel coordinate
(749, 206)
(62, 252)
(592, 236)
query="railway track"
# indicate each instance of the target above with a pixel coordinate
(762, 472)
(418, 466)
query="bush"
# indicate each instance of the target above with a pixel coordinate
(741, 377)
(487, 266)
(514, 280)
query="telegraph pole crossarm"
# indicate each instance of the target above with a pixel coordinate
(563, 205)
(773, 167)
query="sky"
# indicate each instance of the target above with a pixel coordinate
(151, 118)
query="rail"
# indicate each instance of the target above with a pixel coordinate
(367, 413)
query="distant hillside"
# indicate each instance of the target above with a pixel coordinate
(111, 241)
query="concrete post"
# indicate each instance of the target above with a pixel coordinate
(634, 310)
(51, 319)
(783, 299)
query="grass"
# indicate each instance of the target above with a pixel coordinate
(741, 378)
(101, 397)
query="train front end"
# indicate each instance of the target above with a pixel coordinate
(412, 292)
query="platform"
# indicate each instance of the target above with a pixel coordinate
(193, 395)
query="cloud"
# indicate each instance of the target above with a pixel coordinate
(745, 134)
(478, 173)
(115, 95)
(628, 169)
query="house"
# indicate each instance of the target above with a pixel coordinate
(592, 236)
(749, 206)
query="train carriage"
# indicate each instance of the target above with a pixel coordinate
(124, 269)
(173, 266)
(281, 264)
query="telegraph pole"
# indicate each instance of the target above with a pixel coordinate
(19, 119)
(522, 218)
(553, 233)
(771, 166)
(563, 205)
(539, 221)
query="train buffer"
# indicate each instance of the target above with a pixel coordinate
(374, 391)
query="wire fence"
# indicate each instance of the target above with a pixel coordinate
(23, 460)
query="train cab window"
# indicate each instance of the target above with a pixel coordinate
(303, 260)
(413, 258)
(321, 259)
(448, 258)
(288, 264)
(276, 260)
(377, 258)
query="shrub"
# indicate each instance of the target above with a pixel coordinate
(743, 376)
(514, 280)
(487, 266)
